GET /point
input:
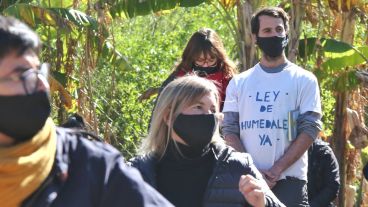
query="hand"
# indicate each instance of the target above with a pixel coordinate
(268, 180)
(272, 175)
(252, 190)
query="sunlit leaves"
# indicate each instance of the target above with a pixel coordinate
(339, 61)
(133, 8)
(113, 56)
(65, 97)
(56, 17)
(334, 46)
(6, 3)
(338, 54)
(57, 4)
(351, 59)
(227, 3)
(76, 17)
(308, 46)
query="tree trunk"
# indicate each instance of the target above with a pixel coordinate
(247, 48)
(348, 27)
(340, 132)
(297, 12)
(340, 137)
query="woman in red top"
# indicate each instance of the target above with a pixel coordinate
(205, 56)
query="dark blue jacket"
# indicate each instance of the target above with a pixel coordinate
(365, 171)
(223, 185)
(323, 175)
(91, 173)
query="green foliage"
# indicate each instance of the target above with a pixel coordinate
(101, 71)
(337, 71)
(57, 4)
(114, 64)
(308, 46)
(112, 56)
(34, 15)
(152, 45)
(350, 58)
(364, 155)
(328, 109)
(133, 8)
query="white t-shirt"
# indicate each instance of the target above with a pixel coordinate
(263, 101)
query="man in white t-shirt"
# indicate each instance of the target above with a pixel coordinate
(259, 103)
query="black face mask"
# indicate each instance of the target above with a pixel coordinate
(204, 71)
(272, 46)
(24, 115)
(196, 130)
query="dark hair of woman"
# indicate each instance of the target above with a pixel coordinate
(208, 42)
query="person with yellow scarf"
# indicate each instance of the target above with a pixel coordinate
(44, 165)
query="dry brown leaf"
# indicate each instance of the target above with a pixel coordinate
(311, 15)
(65, 97)
(147, 94)
(337, 24)
(228, 3)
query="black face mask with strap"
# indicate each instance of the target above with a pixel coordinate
(272, 46)
(204, 71)
(22, 116)
(196, 130)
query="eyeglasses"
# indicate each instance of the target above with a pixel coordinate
(203, 61)
(30, 78)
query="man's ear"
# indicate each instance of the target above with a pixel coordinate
(254, 39)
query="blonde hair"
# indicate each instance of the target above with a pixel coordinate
(177, 95)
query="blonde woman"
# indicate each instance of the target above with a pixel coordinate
(185, 159)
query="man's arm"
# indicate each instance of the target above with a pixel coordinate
(309, 125)
(230, 130)
(234, 141)
(292, 154)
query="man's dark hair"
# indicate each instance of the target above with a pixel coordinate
(272, 12)
(17, 36)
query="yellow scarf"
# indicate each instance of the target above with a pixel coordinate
(23, 167)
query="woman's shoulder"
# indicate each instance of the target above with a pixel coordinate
(229, 155)
(173, 75)
(143, 162)
(141, 159)
(236, 163)
(146, 165)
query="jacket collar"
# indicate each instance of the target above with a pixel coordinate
(221, 151)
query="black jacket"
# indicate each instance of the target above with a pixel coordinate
(323, 175)
(91, 173)
(222, 189)
(365, 171)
